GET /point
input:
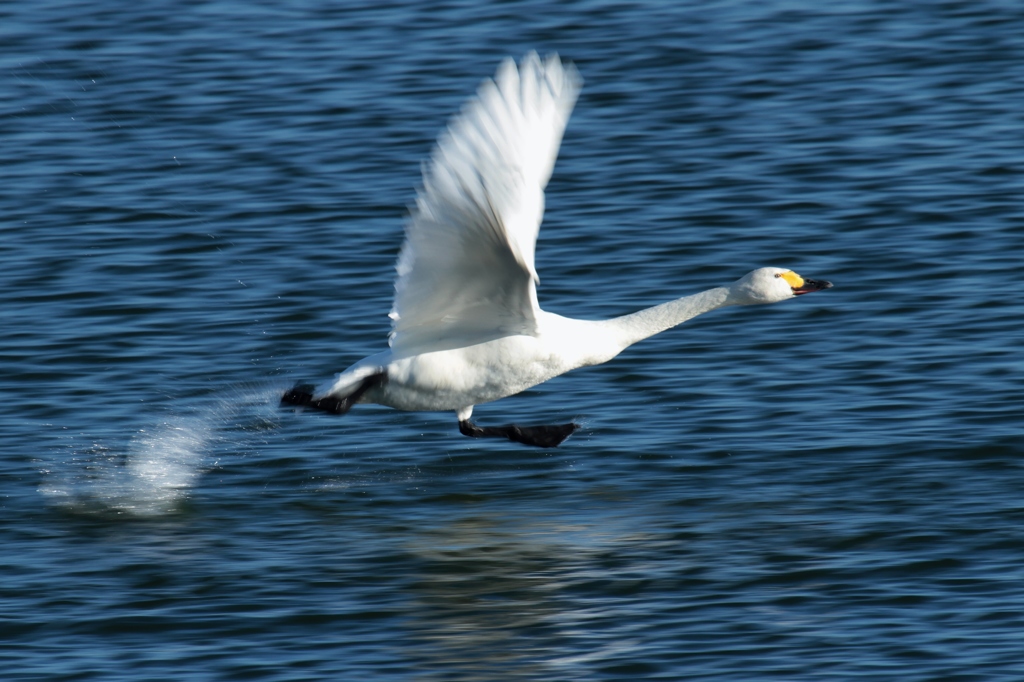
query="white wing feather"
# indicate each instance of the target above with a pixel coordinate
(466, 273)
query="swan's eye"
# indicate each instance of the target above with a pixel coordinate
(777, 275)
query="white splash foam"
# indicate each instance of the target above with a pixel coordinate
(160, 465)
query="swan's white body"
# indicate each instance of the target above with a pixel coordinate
(459, 378)
(467, 327)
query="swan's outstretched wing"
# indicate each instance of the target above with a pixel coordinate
(465, 273)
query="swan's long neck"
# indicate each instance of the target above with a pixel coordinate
(645, 323)
(580, 343)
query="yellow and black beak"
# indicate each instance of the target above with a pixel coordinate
(801, 285)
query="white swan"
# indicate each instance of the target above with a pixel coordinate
(467, 328)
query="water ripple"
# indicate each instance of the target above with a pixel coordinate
(205, 205)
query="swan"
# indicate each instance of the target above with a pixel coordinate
(466, 325)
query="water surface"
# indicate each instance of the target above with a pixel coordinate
(203, 204)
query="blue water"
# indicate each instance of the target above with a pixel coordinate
(202, 203)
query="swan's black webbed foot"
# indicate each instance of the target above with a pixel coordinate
(544, 436)
(301, 395)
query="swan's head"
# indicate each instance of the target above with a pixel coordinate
(771, 285)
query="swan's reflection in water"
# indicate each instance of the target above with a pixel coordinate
(503, 598)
